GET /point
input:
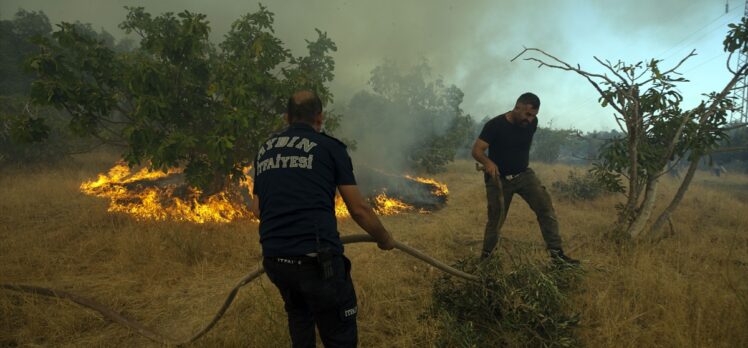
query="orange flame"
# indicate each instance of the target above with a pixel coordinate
(126, 195)
(157, 203)
(439, 188)
(389, 206)
(383, 205)
(341, 210)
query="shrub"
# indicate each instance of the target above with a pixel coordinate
(549, 143)
(580, 187)
(21, 134)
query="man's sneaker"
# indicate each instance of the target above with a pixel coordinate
(558, 257)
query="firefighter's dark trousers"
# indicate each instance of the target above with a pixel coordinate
(528, 186)
(310, 299)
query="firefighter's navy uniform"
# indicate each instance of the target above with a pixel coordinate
(296, 174)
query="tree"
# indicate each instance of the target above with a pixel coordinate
(20, 134)
(548, 144)
(178, 100)
(410, 121)
(15, 47)
(656, 131)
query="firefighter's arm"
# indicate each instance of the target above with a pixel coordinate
(364, 216)
(479, 153)
(255, 206)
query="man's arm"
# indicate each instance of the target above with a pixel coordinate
(364, 216)
(255, 207)
(479, 153)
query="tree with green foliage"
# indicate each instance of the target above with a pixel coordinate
(16, 36)
(23, 125)
(20, 134)
(656, 130)
(15, 47)
(548, 144)
(178, 100)
(411, 121)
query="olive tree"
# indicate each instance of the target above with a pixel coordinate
(656, 131)
(178, 100)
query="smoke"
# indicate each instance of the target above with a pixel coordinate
(469, 43)
(409, 121)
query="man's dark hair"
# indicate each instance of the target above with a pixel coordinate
(529, 98)
(304, 106)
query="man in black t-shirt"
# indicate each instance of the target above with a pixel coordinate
(296, 174)
(508, 138)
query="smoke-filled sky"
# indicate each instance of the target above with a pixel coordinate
(470, 43)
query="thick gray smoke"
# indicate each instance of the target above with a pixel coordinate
(469, 43)
(409, 121)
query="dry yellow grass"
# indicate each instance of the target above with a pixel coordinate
(688, 290)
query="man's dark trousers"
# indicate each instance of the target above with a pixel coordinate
(310, 299)
(528, 186)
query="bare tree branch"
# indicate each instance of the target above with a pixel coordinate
(565, 66)
(618, 121)
(727, 63)
(692, 54)
(609, 66)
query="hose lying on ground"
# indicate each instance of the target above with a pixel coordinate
(166, 340)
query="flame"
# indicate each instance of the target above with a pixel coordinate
(341, 210)
(157, 203)
(389, 206)
(126, 194)
(383, 205)
(120, 173)
(439, 189)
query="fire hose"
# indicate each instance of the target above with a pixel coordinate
(166, 340)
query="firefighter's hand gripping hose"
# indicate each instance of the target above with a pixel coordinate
(167, 340)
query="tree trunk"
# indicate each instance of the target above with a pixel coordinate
(634, 193)
(657, 227)
(645, 211)
(218, 183)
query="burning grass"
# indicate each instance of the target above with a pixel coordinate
(156, 195)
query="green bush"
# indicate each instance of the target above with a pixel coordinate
(580, 187)
(21, 134)
(525, 306)
(548, 144)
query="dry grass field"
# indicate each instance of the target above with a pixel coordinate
(690, 290)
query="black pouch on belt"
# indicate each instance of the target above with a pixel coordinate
(324, 259)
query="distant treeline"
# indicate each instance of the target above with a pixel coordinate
(16, 46)
(575, 147)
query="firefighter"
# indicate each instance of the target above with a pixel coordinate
(508, 138)
(296, 174)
